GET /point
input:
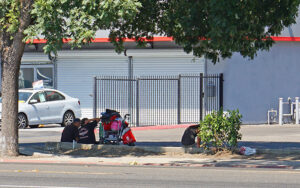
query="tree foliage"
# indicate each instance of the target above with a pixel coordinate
(214, 28)
(243, 26)
(211, 28)
(77, 20)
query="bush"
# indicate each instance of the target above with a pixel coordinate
(220, 130)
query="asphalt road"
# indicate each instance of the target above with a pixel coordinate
(61, 175)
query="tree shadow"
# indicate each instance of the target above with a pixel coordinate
(278, 151)
(111, 152)
(86, 150)
(270, 145)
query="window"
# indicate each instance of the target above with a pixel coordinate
(40, 97)
(45, 74)
(26, 78)
(54, 96)
(31, 73)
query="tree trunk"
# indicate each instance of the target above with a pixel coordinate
(12, 49)
(10, 73)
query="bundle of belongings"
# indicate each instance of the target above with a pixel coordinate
(114, 129)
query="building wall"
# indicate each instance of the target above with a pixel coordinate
(76, 69)
(254, 86)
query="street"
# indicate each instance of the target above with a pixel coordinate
(61, 175)
(33, 175)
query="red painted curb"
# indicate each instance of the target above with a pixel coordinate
(157, 127)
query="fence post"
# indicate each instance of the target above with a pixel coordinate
(179, 100)
(95, 97)
(221, 91)
(130, 77)
(201, 96)
(137, 103)
(280, 111)
(297, 110)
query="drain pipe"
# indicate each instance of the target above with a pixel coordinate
(280, 111)
(297, 110)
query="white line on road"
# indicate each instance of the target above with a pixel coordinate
(31, 186)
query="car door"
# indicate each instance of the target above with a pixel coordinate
(38, 108)
(56, 103)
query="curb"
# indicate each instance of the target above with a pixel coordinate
(209, 165)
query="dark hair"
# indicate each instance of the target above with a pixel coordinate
(83, 120)
(76, 120)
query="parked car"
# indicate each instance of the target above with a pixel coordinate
(46, 106)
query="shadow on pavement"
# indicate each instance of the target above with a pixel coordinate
(278, 150)
(270, 145)
(30, 148)
(109, 152)
(106, 151)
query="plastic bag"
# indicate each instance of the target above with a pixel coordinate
(247, 151)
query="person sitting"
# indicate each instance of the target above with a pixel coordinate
(71, 132)
(189, 135)
(87, 131)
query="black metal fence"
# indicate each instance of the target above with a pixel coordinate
(159, 100)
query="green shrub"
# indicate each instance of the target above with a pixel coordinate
(220, 131)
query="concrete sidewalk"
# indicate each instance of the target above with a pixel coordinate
(283, 141)
(256, 136)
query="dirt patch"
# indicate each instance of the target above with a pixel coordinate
(137, 152)
(141, 152)
(119, 152)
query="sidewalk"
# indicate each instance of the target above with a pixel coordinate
(284, 141)
(256, 136)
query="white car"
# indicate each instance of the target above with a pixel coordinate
(46, 106)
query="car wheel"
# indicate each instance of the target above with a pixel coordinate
(22, 121)
(68, 119)
(33, 126)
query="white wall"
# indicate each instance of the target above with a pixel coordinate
(76, 69)
(254, 86)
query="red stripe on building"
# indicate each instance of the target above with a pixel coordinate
(288, 39)
(160, 39)
(100, 40)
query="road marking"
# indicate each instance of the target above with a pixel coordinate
(56, 172)
(32, 186)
